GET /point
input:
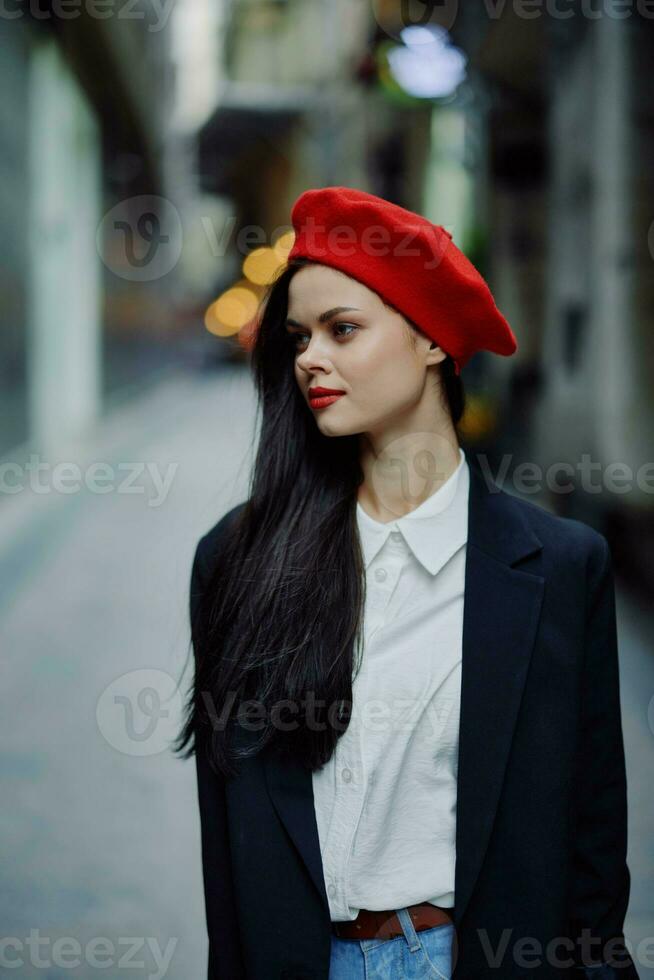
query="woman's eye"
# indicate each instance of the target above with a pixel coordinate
(351, 325)
(298, 338)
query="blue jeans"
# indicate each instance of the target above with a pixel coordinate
(424, 955)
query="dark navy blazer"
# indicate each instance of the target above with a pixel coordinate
(541, 832)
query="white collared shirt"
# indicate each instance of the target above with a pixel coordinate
(386, 801)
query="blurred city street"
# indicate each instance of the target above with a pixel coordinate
(105, 841)
(152, 156)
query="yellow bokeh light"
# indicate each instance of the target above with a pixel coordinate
(284, 244)
(214, 325)
(479, 419)
(231, 311)
(255, 288)
(261, 265)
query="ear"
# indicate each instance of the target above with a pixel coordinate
(434, 346)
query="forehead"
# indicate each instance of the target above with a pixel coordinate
(315, 285)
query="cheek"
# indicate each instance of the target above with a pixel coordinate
(383, 371)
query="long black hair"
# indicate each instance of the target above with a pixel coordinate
(279, 622)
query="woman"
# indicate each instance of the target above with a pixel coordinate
(405, 713)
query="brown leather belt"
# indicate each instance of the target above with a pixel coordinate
(386, 925)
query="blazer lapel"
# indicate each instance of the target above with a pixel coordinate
(290, 787)
(501, 610)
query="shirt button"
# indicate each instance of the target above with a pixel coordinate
(331, 891)
(381, 574)
(347, 775)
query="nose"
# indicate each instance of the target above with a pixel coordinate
(314, 356)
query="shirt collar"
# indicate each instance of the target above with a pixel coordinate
(434, 531)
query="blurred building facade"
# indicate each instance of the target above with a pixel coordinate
(84, 110)
(538, 164)
(299, 107)
(569, 130)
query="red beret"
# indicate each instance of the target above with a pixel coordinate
(411, 263)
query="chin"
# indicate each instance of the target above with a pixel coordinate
(331, 428)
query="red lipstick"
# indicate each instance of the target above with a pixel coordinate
(320, 397)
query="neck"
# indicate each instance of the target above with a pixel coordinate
(401, 472)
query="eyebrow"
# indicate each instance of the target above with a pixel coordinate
(327, 315)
